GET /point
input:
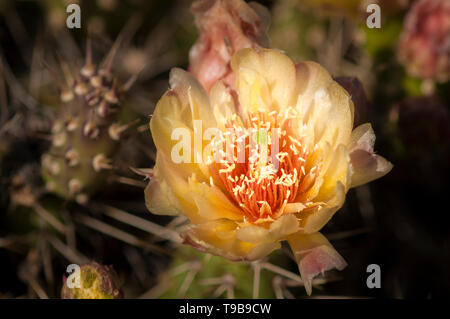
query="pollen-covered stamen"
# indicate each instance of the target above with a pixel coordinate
(273, 167)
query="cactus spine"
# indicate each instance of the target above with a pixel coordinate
(86, 133)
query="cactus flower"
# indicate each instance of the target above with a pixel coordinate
(225, 26)
(242, 210)
(424, 46)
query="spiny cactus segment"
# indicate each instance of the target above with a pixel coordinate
(86, 133)
(96, 281)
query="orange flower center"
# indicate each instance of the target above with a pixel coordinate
(266, 166)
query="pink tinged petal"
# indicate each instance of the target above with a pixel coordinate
(367, 166)
(314, 255)
(225, 26)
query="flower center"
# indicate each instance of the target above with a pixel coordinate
(264, 165)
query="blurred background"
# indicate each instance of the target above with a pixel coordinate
(398, 76)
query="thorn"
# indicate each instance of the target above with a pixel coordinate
(66, 70)
(81, 88)
(91, 130)
(103, 110)
(112, 53)
(50, 186)
(71, 124)
(116, 130)
(129, 83)
(57, 126)
(51, 165)
(82, 199)
(56, 77)
(75, 186)
(96, 81)
(93, 97)
(126, 33)
(148, 173)
(88, 69)
(100, 162)
(111, 95)
(66, 95)
(59, 139)
(72, 157)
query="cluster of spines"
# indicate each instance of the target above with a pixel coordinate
(86, 133)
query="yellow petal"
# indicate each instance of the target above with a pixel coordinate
(278, 230)
(322, 214)
(211, 202)
(179, 187)
(336, 170)
(222, 104)
(324, 104)
(219, 238)
(159, 198)
(367, 166)
(314, 255)
(252, 234)
(283, 226)
(177, 110)
(265, 79)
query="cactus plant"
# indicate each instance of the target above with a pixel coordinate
(86, 132)
(96, 281)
